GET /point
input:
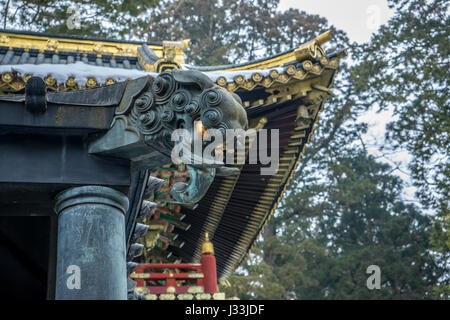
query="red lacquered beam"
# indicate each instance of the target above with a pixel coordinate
(140, 268)
(166, 276)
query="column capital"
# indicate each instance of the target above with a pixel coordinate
(91, 194)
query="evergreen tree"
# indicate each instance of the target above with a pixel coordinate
(324, 245)
(231, 31)
(102, 18)
(406, 67)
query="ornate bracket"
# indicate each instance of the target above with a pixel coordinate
(152, 108)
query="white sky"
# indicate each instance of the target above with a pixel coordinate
(359, 18)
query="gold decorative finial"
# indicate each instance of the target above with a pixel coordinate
(207, 246)
(324, 37)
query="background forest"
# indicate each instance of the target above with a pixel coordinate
(347, 208)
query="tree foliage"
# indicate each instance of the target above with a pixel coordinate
(360, 221)
(349, 205)
(231, 31)
(103, 18)
(406, 67)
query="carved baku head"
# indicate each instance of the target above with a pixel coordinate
(151, 109)
(199, 97)
(177, 99)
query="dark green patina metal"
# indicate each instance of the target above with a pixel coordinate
(152, 108)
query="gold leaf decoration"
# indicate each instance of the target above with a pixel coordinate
(91, 82)
(7, 77)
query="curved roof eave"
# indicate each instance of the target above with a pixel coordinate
(309, 50)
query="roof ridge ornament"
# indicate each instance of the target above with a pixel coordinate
(313, 49)
(324, 37)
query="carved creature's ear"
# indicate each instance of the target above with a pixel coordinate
(193, 77)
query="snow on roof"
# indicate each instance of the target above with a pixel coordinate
(82, 71)
(230, 75)
(79, 70)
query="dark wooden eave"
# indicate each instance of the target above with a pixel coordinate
(235, 212)
(45, 153)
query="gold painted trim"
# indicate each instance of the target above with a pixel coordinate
(311, 49)
(42, 43)
(196, 275)
(195, 289)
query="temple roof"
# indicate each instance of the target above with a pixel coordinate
(286, 92)
(18, 47)
(237, 208)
